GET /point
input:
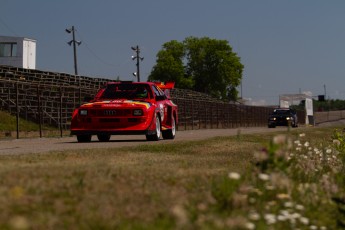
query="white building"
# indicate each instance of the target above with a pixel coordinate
(18, 52)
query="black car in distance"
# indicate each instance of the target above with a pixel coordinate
(283, 117)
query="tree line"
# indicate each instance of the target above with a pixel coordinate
(323, 105)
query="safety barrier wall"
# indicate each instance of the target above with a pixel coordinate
(199, 114)
(327, 116)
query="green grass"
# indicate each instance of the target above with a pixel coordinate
(8, 124)
(181, 185)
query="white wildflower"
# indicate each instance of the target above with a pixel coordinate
(329, 151)
(250, 226)
(302, 134)
(306, 144)
(254, 215)
(264, 177)
(280, 139)
(313, 227)
(299, 207)
(260, 156)
(304, 220)
(288, 204)
(336, 142)
(295, 215)
(234, 175)
(285, 212)
(282, 218)
(270, 218)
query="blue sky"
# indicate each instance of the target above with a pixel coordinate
(286, 46)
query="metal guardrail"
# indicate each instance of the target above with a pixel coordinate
(199, 114)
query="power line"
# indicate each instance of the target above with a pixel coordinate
(94, 53)
(7, 27)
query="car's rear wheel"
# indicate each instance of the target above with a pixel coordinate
(157, 134)
(84, 138)
(103, 137)
(170, 133)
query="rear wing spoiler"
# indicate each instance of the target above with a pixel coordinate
(166, 87)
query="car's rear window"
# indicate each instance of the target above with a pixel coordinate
(281, 111)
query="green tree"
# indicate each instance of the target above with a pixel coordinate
(169, 66)
(329, 105)
(203, 64)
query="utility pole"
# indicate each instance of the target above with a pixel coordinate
(137, 56)
(74, 48)
(72, 30)
(324, 87)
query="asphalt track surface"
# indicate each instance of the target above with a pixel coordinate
(46, 145)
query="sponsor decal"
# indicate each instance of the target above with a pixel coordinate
(146, 104)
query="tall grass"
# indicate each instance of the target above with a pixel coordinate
(287, 180)
(8, 127)
(8, 123)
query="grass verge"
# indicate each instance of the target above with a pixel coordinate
(285, 180)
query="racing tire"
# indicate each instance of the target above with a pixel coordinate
(84, 138)
(157, 134)
(170, 133)
(103, 137)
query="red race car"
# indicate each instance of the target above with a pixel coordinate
(127, 108)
